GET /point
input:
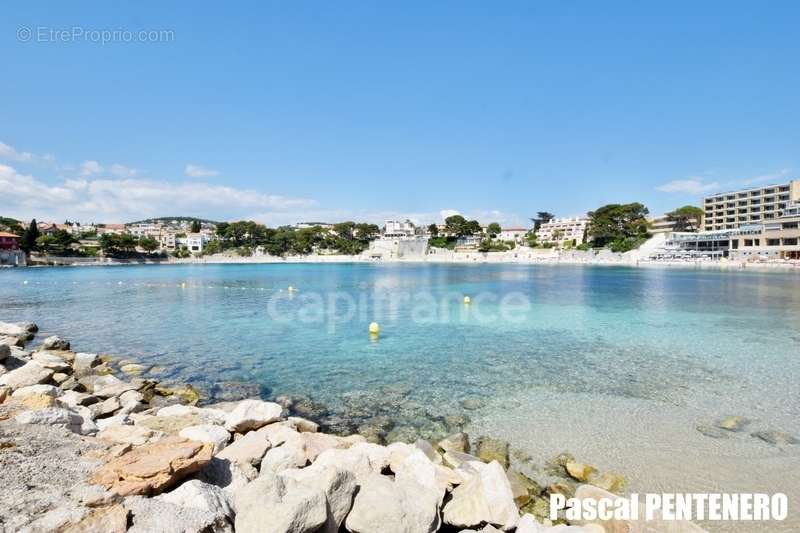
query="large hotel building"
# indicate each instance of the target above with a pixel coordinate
(758, 205)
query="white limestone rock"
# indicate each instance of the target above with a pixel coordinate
(36, 390)
(339, 486)
(287, 455)
(216, 435)
(484, 497)
(386, 506)
(227, 475)
(55, 342)
(195, 494)
(58, 417)
(267, 505)
(31, 373)
(252, 414)
(51, 360)
(249, 449)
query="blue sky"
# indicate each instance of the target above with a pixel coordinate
(292, 111)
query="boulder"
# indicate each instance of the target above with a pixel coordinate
(491, 449)
(227, 475)
(152, 468)
(303, 425)
(216, 435)
(252, 414)
(108, 386)
(55, 342)
(195, 494)
(84, 362)
(386, 506)
(353, 460)
(31, 373)
(58, 417)
(45, 390)
(486, 497)
(267, 505)
(579, 471)
(72, 398)
(133, 435)
(522, 486)
(733, 423)
(5, 351)
(5, 392)
(171, 425)
(290, 454)
(249, 449)
(457, 442)
(36, 402)
(339, 486)
(109, 519)
(105, 408)
(776, 438)
(456, 459)
(210, 416)
(155, 515)
(22, 329)
(429, 451)
(51, 360)
(118, 420)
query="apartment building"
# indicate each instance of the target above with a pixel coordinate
(757, 205)
(661, 224)
(560, 231)
(778, 238)
(513, 234)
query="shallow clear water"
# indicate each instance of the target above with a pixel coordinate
(603, 360)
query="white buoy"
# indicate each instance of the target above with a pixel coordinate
(467, 301)
(291, 289)
(25, 282)
(183, 284)
(374, 328)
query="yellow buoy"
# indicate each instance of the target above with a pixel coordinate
(467, 300)
(374, 328)
(291, 289)
(183, 284)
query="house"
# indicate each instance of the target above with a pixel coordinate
(9, 241)
(196, 242)
(395, 229)
(513, 234)
(117, 229)
(561, 231)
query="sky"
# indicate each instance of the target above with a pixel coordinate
(323, 111)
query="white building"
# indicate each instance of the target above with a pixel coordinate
(561, 231)
(395, 229)
(513, 234)
(196, 242)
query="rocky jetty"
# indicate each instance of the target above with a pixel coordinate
(82, 449)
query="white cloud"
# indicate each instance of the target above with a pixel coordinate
(12, 154)
(774, 176)
(90, 168)
(120, 200)
(693, 186)
(199, 171)
(121, 171)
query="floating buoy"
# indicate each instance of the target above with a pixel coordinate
(119, 283)
(291, 289)
(183, 284)
(374, 328)
(25, 282)
(467, 300)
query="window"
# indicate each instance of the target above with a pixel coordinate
(790, 242)
(773, 242)
(790, 225)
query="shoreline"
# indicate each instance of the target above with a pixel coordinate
(489, 258)
(57, 397)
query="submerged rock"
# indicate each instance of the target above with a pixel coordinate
(457, 442)
(579, 471)
(733, 423)
(491, 449)
(776, 438)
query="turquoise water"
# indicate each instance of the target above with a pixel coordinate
(618, 365)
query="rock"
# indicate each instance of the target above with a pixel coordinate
(429, 451)
(60, 377)
(84, 362)
(55, 343)
(51, 360)
(288, 455)
(184, 393)
(566, 488)
(171, 425)
(377, 456)
(227, 475)
(155, 515)
(125, 434)
(733, 423)
(195, 494)
(216, 435)
(72, 398)
(252, 414)
(133, 369)
(579, 471)
(106, 407)
(471, 404)
(316, 443)
(118, 420)
(490, 449)
(109, 519)
(266, 505)
(4, 393)
(339, 486)
(249, 449)
(713, 432)
(18, 330)
(776, 438)
(108, 386)
(456, 459)
(38, 390)
(210, 416)
(485, 497)
(37, 401)
(609, 481)
(5, 351)
(562, 459)
(55, 416)
(8, 342)
(522, 487)
(386, 506)
(302, 425)
(154, 467)
(457, 442)
(31, 373)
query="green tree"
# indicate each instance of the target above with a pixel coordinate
(433, 230)
(686, 218)
(542, 217)
(493, 229)
(148, 244)
(621, 227)
(455, 225)
(28, 239)
(195, 228)
(58, 243)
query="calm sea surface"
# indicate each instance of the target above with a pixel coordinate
(617, 365)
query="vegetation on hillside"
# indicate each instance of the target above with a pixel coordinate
(620, 227)
(686, 218)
